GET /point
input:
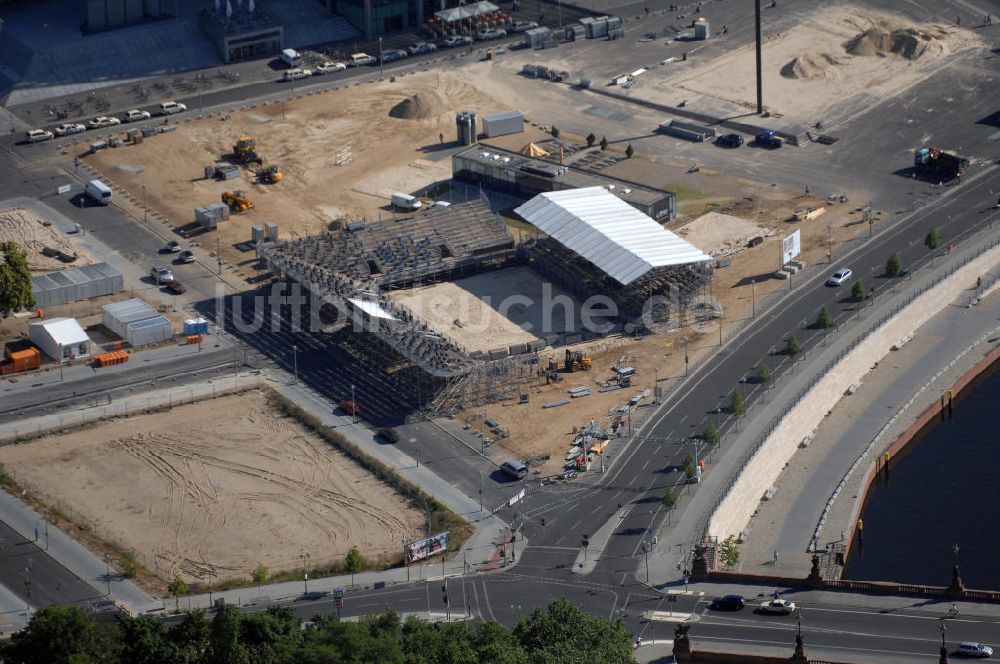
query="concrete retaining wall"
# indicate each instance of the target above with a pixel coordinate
(763, 469)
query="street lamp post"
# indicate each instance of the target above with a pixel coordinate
(145, 216)
(107, 571)
(305, 570)
(685, 357)
(753, 296)
(645, 551)
(354, 406)
(295, 361)
(380, 58)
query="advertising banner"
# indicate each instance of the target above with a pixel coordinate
(424, 548)
(791, 247)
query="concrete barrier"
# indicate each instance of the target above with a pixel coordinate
(763, 468)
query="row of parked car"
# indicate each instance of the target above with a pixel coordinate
(102, 122)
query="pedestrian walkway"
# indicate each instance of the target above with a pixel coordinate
(672, 553)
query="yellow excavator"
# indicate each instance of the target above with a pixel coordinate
(237, 201)
(576, 361)
(269, 175)
(245, 151)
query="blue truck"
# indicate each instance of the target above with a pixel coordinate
(768, 139)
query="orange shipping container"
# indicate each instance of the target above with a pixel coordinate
(22, 360)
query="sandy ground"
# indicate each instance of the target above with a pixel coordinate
(841, 53)
(32, 234)
(186, 489)
(305, 138)
(493, 310)
(721, 234)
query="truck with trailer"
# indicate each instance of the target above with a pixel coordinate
(935, 161)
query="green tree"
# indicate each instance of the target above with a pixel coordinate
(729, 552)
(190, 637)
(144, 641)
(15, 280)
(824, 320)
(736, 405)
(711, 434)
(690, 466)
(629, 151)
(354, 562)
(177, 587)
(591, 139)
(259, 576)
(60, 635)
(224, 646)
(858, 292)
(792, 347)
(493, 643)
(564, 633)
(554, 131)
(128, 565)
(669, 499)
(893, 266)
(764, 374)
(604, 143)
(932, 240)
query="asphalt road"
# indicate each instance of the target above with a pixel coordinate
(637, 480)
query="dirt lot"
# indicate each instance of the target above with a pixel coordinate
(305, 138)
(32, 234)
(842, 53)
(185, 489)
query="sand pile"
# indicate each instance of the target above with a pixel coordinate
(421, 106)
(721, 234)
(32, 234)
(811, 64)
(885, 39)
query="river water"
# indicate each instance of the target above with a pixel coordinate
(944, 489)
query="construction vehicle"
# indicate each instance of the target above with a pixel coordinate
(245, 151)
(237, 201)
(576, 361)
(941, 163)
(269, 175)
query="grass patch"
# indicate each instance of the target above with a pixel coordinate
(442, 518)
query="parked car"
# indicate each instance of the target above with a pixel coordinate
(171, 107)
(569, 475)
(104, 121)
(485, 35)
(70, 128)
(388, 435)
(361, 60)
(781, 607)
(135, 115)
(171, 247)
(176, 287)
(351, 407)
(420, 48)
(523, 26)
(185, 257)
(729, 603)
(296, 74)
(161, 275)
(328, 68)
(729, 140)
(460, 40)
(39, 135)
(973, 649)
(394, 54)
(839, 277)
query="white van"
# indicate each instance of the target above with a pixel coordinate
(99, 192)
(291, 57)
(361, 60)
(296, 74)
(405, 202)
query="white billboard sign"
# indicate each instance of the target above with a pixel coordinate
(791, 246)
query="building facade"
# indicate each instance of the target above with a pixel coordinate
(105, 14)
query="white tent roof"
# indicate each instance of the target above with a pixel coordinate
(463, 12)
(373, 309)
(65, 331)
(608, 232)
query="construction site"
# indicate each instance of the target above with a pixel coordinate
(468, 308)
